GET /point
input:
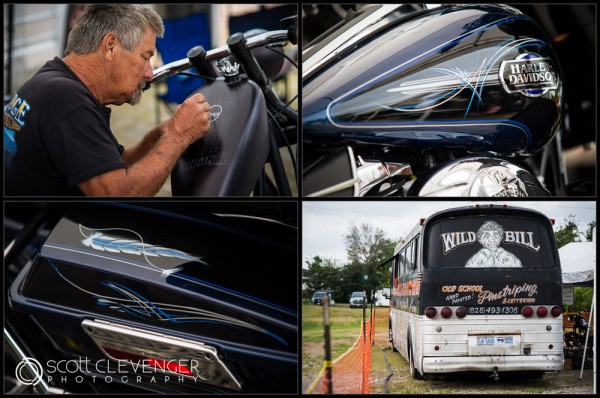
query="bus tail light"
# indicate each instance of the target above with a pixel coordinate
(542, 312)
(527, 312)
(430, 312)
(461, 312)
(555, 311)
(446, 312)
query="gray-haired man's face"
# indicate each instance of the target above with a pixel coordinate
(491, 239)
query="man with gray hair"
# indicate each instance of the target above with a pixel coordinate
(58, 140)
(490, 235)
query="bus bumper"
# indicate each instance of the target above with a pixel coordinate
(507, 363)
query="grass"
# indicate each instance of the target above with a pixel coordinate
(345, 322)
(345, 329)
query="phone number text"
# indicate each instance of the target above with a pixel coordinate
(485, 310)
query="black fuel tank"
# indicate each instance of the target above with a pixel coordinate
(482, 78)
(228, 160)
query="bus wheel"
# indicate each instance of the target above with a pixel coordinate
(391, 338)
(414, 373)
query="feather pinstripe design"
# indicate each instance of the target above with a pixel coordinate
(97, 240)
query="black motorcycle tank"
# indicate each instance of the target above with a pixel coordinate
(167, 271)
(236, 144)
(476, 78)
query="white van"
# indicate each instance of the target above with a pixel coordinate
(382, 297)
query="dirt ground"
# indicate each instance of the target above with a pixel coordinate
(390, 374)
(565, 382)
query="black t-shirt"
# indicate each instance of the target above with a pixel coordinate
(56, 135)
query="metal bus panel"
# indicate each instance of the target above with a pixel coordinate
(493, 334)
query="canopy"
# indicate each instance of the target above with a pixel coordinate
(578, 261)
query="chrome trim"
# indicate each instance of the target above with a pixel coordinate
(354, 182)
(354, 170)
(13, 348)
(482, 177)
(9, 246)
(366, 175)
(371, 174)
(334, 188)
(347, 39)
(226, 68)
(255, 218)
(205, 364)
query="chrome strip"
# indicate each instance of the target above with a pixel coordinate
(346, 39)
(354, 182)
(204, 362)
(255, 218)
(354, 171)
(334, 188)
(13, 347)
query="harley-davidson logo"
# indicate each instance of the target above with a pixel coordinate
(529, 74)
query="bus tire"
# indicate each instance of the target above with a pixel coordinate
(391, 338)
(414, 372)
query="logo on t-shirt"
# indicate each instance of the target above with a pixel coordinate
(14, 119)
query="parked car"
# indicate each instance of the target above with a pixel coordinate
(356, 299)
(319, 295)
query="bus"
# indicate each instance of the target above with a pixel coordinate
(478, 289)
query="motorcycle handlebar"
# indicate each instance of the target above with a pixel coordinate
(240, 47)
(264, 39)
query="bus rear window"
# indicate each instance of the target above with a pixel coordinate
(489, 242)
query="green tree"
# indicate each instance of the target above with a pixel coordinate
(322, 274)
(367, 247)
(568, 232)
(582, 299)
(590, 231)
(351, 280)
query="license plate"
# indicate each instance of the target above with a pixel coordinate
(504, 340)
(495, 340)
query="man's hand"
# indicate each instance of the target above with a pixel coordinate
(145, 174)
(191, 120)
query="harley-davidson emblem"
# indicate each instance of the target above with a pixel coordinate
(529, 74)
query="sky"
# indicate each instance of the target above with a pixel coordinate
(324, 223)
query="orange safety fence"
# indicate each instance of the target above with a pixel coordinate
(351, 371)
